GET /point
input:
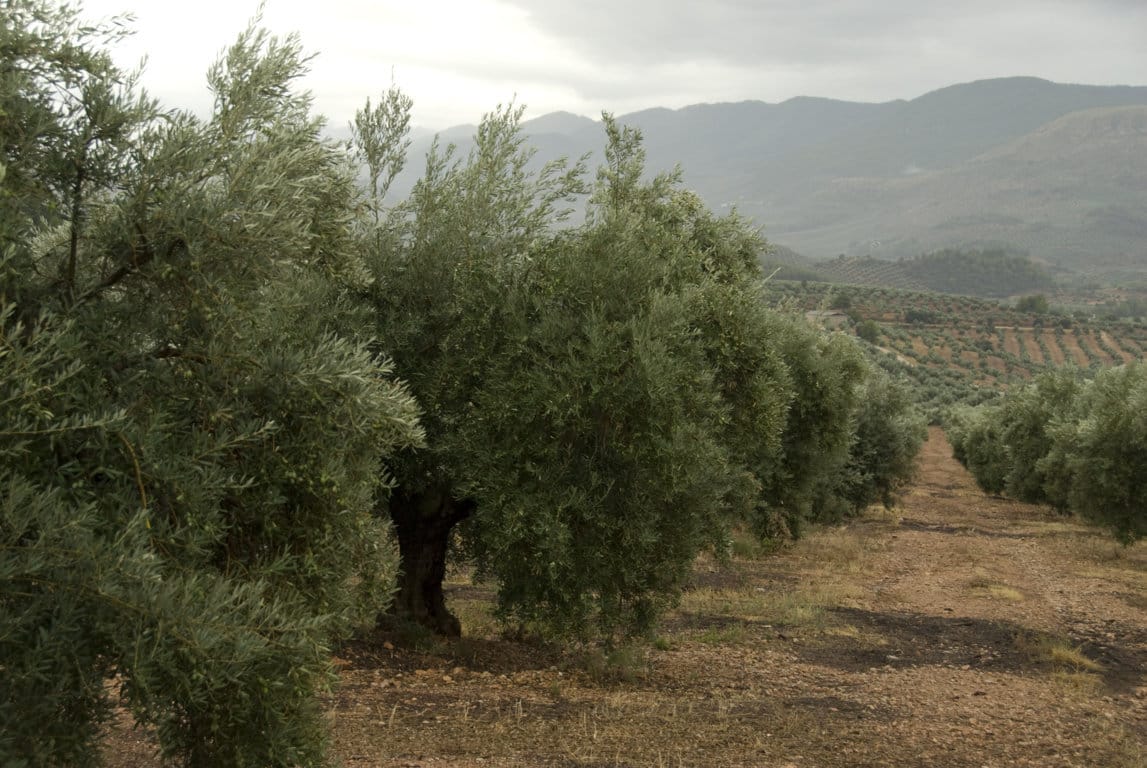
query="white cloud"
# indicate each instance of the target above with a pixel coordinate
(457, 59)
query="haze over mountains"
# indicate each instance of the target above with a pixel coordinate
(1057, 170)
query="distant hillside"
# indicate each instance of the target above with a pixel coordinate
(1071, 193)
(866, 270)
(954, 349)
(1056, 170)
(990, 273)
(783, 263)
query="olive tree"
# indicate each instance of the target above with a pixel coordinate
(827, 372)
(1009, 445)
(1102, 452)
(977, 443)
(442, 265)
(1076, 445)
(1026, 416)
(191, 447)
(599, 400)
(889, 431)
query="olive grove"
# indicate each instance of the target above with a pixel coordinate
(249, 406)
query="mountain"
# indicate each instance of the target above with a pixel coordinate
(1072, 193)
(1057, 170)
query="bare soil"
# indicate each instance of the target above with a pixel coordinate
(956, 630)
(1110, 341)
(1011, 341)
(1071, 346)
(1032, 347)
(1092, 349)
(1054, 350)
(1134, 346)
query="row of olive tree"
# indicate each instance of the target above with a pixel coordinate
(1078, 445)
(209, 469)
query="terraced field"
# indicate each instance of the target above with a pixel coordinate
(964, 349)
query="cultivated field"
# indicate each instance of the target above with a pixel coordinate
(964, 349)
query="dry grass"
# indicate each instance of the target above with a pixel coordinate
(1077, 682)
(839, 551)
(995, 590)
(1004, 592)
(477, 616)
(1061, 655)
(803, 606)
(834, 563)
(986, 586)
(581, 727)
(1100, 549)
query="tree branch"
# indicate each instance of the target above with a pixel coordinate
(139, 258)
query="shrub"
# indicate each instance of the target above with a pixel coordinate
(869, 331)
(976, 441)
(1103, 452)
(888, 432)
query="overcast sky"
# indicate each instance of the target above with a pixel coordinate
(460, 58)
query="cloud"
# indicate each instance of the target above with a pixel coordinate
(460, 58)
(854, 50)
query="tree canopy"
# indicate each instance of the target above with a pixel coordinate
(191, 454)
(601, 401)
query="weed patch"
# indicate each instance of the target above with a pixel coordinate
(988, 587)
(1056, 652)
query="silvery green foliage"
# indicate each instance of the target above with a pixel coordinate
(827, 372)
(977, 443)
(889, 431)
(1101, 448)
(1027, 415)
(191, 452)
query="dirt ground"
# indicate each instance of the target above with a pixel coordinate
(955, 630)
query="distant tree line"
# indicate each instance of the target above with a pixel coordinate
(1035, 303)
(992, 272)
(989, 273)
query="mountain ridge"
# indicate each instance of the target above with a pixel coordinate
(898, 178)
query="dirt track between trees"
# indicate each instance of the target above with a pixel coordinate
(956, 630)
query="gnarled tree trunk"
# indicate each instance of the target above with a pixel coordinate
(423, 522)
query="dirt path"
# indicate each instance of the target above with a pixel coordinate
(1017, 638)
(958, 630)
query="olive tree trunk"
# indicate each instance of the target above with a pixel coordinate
(423, 522)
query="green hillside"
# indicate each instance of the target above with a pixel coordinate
(991, 273)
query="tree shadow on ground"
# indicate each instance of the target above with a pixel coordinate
(959, 530)
(913, 639)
